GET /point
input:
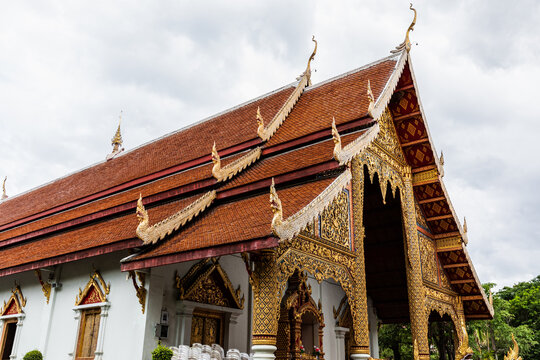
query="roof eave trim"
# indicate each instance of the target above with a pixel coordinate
(295, 223)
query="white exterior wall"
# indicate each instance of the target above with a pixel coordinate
(124, 328)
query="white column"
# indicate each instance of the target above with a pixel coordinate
(184, 316)
(98, 354)
(48, 310)
(340, 342)
(14, 350)
(373, 321)
(360, 357)
(75, 332)
(263, 352)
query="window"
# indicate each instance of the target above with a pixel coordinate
(88, 333)
(8, 337)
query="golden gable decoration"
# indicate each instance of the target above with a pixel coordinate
(207, 283)
(15, 303)
(335, 220)
(94, 292)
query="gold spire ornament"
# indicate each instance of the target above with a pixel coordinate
(441, 163)
(406, 44)
(275, 205)
(4, 195)
(371, 99)
(490, 297)
(312, 57)
(513, 354)
(260, 122)
(116, 141)
(465, 225)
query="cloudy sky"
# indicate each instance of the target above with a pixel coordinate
(67, 68)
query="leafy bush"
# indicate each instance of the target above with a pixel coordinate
(33, 355)
(162, 353)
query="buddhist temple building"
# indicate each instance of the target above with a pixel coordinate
(287, 227)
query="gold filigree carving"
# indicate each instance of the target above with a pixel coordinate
(265, 301)
(100, 289)
(335, 221)
(228, 171)
(15, 302)
(427, 256)
(152, 234)
(406, 44)
(289, 228)
(513, 353)
(345, 155)
(206, 282)
(426, 177)
(448, 243)
(420, 216)
(4, 194)
(304, 80)
(45, 286)
(140, 290)
(387, 138)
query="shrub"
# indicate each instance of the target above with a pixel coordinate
(33, 355)
(162, 353)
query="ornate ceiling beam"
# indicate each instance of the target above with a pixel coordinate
(441, 217)
(438, 198)
(472, 297)
(465, 281)
(449, 266)
(415, 142)
(407, 116)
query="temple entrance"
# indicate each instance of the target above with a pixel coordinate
(8, 337)
(301, 322)
(442, 337)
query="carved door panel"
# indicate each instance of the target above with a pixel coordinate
(88, 333)
(207, 328)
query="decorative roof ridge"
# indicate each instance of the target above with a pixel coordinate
(126, 152)
(344, 155)
(386, 94)
(289, 228)
(350, 72)
(266, 132)
(236, 166)
(152, 234)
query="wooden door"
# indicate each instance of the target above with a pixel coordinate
(207, 328)
(88, 333)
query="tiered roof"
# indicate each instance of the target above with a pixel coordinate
(91, 212)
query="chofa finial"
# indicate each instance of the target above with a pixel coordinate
(371, 99)
(406, 44)
(275, 205)
(308, 68)
(337, 139)
(260, 122)
(4, 195)
(513, 353)
(116, 141)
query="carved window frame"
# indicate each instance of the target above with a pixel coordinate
(19, 319)
(104, 313)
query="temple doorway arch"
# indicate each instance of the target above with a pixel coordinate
(443, 340)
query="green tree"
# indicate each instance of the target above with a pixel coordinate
(516, 312)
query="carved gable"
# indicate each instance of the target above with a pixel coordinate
(206, 282)
(94, 292)
(335, 220)
(429, 262)
(15, 303)
(388, 139)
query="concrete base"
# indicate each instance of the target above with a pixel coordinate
(360, 356)
(263, 352)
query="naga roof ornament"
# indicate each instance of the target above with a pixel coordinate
(406, 44)
(371, 99)
(441, 164)
(4, 195)
(228, 171)
(266, 132)
(152, 234)
(344, 155)
(275, 205)
(513, 353)
(116, 141)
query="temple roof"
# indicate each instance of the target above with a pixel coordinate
(92, 212)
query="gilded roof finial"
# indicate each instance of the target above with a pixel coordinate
(465, 225)
(406, 44)
(4, 195)
(441, 163)
(513, 354)
(337, 139)
(116, 141)
(260, 121)
(308, 69)
(275, 205)
(490, 297)
(371, 99)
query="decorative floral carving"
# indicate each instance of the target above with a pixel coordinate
(335, 220)
(427, 255)
(140, 290)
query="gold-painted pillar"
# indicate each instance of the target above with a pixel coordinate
(461, 329)
(265, 305)
(417, 308)
(359, 304)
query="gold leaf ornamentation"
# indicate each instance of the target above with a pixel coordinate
(152, 234)
(228, 171)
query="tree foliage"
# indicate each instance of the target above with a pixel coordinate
(517, 311)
